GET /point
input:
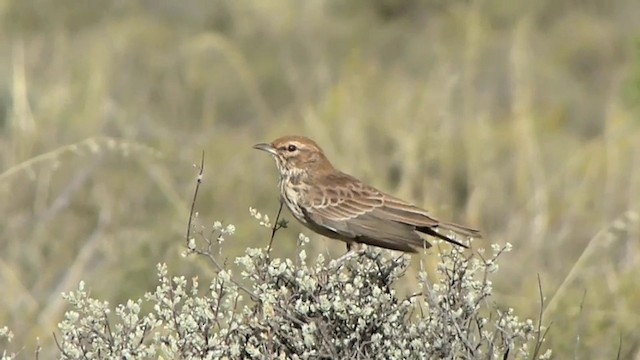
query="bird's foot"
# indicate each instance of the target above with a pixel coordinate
(342, 259)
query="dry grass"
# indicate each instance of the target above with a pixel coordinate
(509, 115)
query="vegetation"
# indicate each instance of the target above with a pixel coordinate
(518, 117)
(298, 310)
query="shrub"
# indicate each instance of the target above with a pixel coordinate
(302, 309)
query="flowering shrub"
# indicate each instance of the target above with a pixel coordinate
(302, 309)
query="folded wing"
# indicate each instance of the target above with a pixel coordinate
(366, 215)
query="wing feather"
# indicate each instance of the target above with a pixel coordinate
(361, 213)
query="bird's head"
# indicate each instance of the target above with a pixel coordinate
(295, 154)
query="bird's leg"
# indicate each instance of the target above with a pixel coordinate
(353, 249)
(345, 257)
(356, 246)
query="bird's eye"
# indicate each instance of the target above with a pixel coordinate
(292, 148)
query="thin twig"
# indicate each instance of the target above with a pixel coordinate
(208, 252)
(540, 336)
(580, 325)
(195, 195)
(619, 348)
(536, 350)
(38, 348)
(275, 228)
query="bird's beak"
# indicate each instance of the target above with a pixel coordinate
(266, 147)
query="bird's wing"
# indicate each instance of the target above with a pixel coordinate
(365, 214)
(401, 211)
(359, 214)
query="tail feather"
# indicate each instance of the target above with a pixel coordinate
(458, 229)
(431, 231)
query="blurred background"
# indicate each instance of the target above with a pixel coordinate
(518, 117)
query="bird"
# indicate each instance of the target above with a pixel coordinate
(340, 206)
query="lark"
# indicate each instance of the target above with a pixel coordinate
(340, 206)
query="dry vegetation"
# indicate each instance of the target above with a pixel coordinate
(520, 117)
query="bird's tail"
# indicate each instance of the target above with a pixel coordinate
(437, 231)
(459, 229)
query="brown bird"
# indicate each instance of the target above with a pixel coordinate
(339, 206)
